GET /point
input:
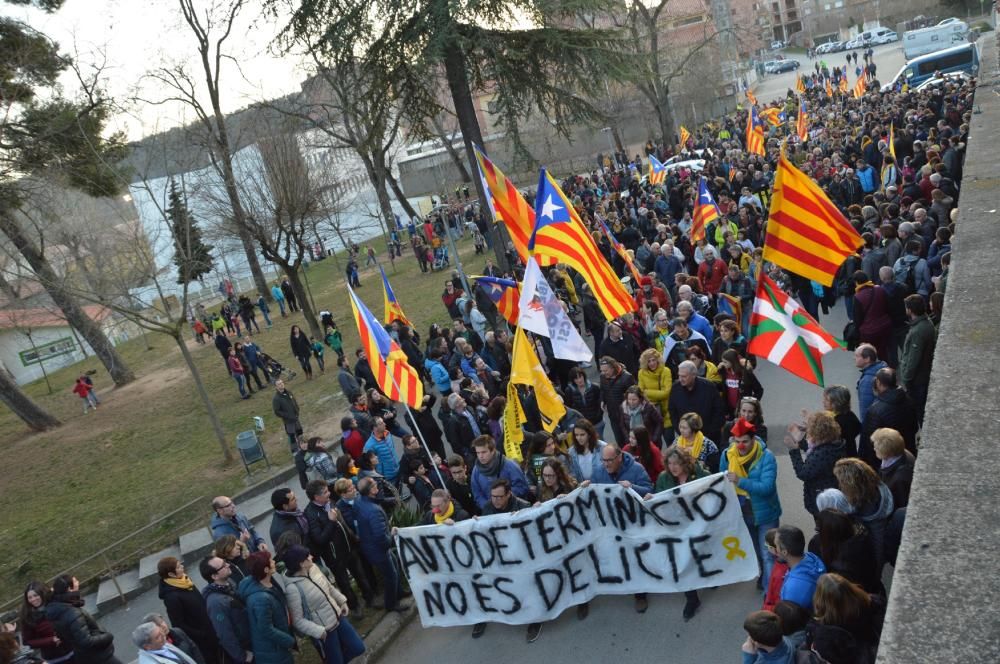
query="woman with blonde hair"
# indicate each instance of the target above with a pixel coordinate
(655, 380)
(813, 448)
(235, 552)
(690, 439)
(838, 602)
(870, 499)
(896, 469)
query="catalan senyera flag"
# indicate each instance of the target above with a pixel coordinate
(829, 88)
(772, 115)
(685, 135)
(731, 304)
(621, 251)
(892, 141)
(843, 84)
(392, 309)
(755, 133)
(393, 374)
(504, 294)
(509, 206)
(860, 87)
(806, 233)
(751, 98)
(732, 173)
(783, 332)
(800, 84)
(525, 369)
(705, 211)
(657, 171)
(560, 234)
(802, 122)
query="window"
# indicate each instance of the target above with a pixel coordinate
(691, 20)
(47, 351)
(838, 3)
(946, 62)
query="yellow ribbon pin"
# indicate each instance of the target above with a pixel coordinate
(732, 547)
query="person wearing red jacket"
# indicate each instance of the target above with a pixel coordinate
(352, 441)
(650, 292)
(711, 272)
(236, 371)
(85, 391)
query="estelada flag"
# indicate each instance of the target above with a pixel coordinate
(685, 135)
(784, 333)
(843, 83)
(806, 233)
(509, 207)
(560, 235)
(860, 87)
(393, 374)
(657, 171)
(751, 98)
(705, 211)
(392, 309)
(731, 304)
(800, 84)
(755, 133)
(504, 294)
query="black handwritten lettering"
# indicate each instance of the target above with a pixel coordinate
(669, 542)
(501, 547)
(687, 510)
(645, 546)
(601, 578)
(609, 505)
(628, 510)
(520, 527)
(433, 599)
(410, 555)
(659, 511)
(549, 599)
(515, 602)
(700, 557)
(462, 551)
(626, 569)
(479, 588)
(564, 511)
(589, 499)
(573, 572)
(481, 541)
(459, 605)
(543, 532)
(436, 541)
(719, 504)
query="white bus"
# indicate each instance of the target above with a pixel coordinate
(934, 38)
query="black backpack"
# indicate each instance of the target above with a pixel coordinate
(910, 279)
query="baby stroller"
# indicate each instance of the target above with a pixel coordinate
(441, 260)
(274, 369)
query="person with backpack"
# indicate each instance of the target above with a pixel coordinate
(911, 271)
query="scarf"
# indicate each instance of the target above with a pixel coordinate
(184, 583)
(491, 469)
(634, 416)
(448, 513)
(694, 449)
(741, 465)
(864, 285)
(68, 597)
(299, 516)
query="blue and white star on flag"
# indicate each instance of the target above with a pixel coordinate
(549, 208)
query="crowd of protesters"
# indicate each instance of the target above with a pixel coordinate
(674, 397)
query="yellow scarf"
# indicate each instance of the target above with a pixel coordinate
(184, 583)
(864, 285)
(694, 449)
(441, 518)
(739, 465)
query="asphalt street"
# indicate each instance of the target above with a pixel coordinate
(613, 629)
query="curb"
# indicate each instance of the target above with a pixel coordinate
(385, 632)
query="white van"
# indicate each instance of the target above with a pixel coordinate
(877, 36)
(937, 37)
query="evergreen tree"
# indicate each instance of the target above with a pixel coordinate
(192, 256)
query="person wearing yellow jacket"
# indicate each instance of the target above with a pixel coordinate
(655, 381)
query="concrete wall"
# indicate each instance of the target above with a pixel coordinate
(946, 588)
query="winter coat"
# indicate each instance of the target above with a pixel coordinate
(186, 610)
(630, 471)
(324, 533)
(286, 407)
(761, 483)
(703, 399)
(588, 402)
(181, 657)
(876, 518)
(899, 477)
(815, 469)
(480, 482)
(921, 273)
(388, 463)
(656, 387)
(850, 427)
(866, 392)
(625, 350)
(613, 391)
(651, 419)
(349, 385)
(282, 523)
(574, 460)
(301, 346)
(78, 630)
(38, 633)
(917, 354)
(439, 374)
(270, 634)
(221, 526)
(800, 582)
(892, 409)
(371, 526)
(229, 619)
(314, 603)
(783, 654)
(871, 314)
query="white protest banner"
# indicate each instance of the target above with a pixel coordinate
(542, 313)
(531, 565)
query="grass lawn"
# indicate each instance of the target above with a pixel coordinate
(149, 449)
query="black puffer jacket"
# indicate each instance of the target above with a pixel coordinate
(613, 391)
(76, 627)
(588, 402)
(186, 610)
(816, 469)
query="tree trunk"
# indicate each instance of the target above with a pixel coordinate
(377, 174)
(295, 280)
(465, 110)
(665, 116)
(445, 139)
(36, 417)
(400, 196)
(213, 415)
(120, 373)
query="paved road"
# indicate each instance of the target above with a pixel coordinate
(888, 60)
(613, 630)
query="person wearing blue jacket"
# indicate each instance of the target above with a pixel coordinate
(752, 468)
(866, 360)
(279, 297)
(226, 610)
(438, 372)
(371, 526)
(227, 521)
(491, 466)
(868, 177)
(271, 636)
(381, 443)
(804, 567)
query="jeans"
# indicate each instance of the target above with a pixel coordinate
(599, 427)
(342, 644)
(267, 319)
(281, 305)
(393, 587)
(764, 558)
(241, 382)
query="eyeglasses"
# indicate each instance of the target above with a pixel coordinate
(222, 507)
(548, 475)
(496, 497)
(609, 460)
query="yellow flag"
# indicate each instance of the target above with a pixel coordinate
(527, 370)
(513, 419)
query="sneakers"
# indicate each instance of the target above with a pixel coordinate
(582, 610)
(478, 630)
(534, 629)
(402, 607)
(641, 603)
(690, 608)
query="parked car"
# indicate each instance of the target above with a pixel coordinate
(950, 20)
(769, 66)
(786, 65)
(777, 44)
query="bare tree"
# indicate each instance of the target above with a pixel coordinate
(211, 29)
